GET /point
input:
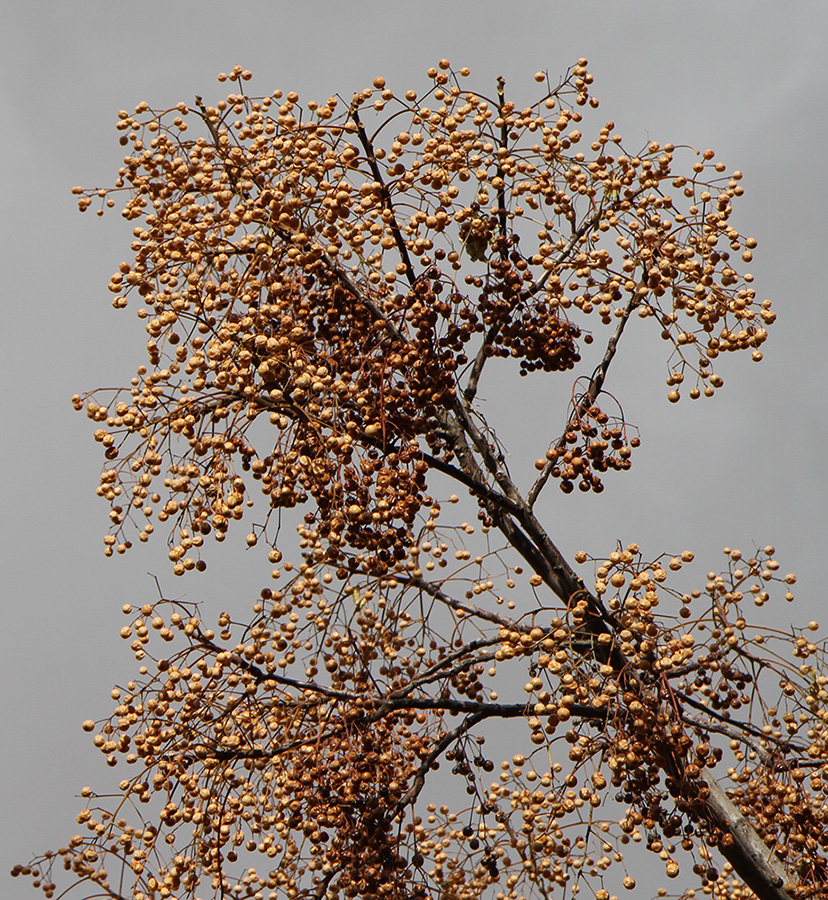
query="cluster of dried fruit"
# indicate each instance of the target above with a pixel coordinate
(321, 301)
(293, 268)
(308, 739)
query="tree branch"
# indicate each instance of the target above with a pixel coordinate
(475, 611)
(755, 864)
(589, 397)
(413, 792)
(387, 204)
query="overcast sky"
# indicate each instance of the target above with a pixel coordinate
(749, 79)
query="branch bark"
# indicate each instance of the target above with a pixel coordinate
(760, 870)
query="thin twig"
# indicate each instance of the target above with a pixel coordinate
(741, 726)
(469, 610)
(736, 734)
(387, 204)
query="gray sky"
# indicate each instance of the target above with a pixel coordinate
(748, 78)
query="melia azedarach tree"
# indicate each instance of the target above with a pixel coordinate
(325, 288)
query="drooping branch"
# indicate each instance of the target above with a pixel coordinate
(436, 752)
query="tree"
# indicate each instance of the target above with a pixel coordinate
(324, 287)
